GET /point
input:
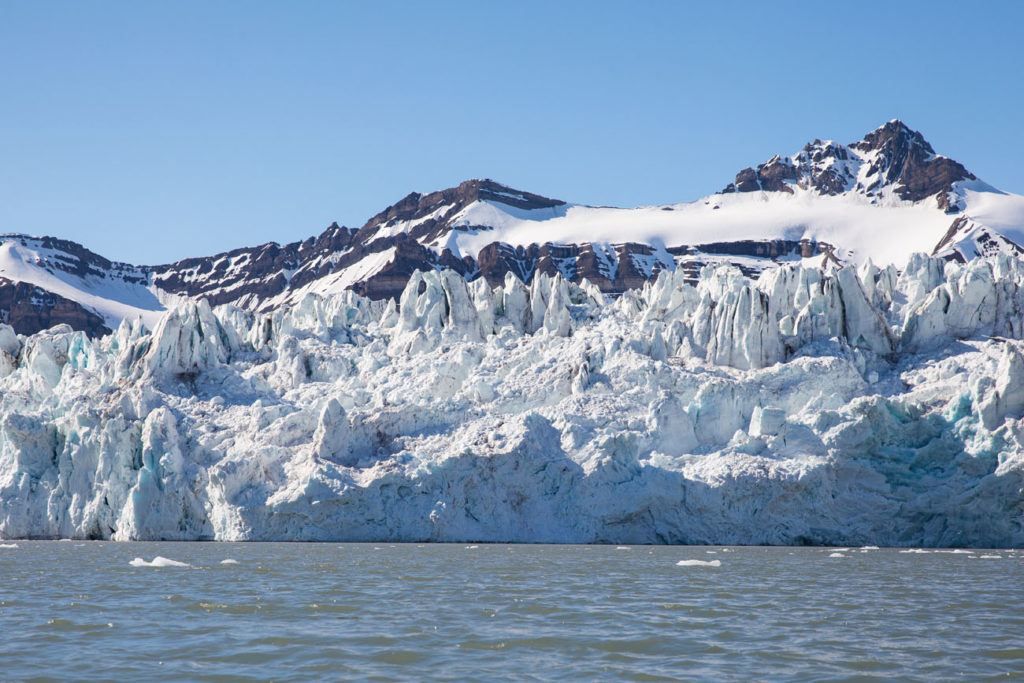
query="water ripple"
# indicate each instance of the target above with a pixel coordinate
(302, 611)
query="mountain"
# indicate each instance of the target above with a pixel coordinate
(892, 160)
(881, 198)
(46, 281)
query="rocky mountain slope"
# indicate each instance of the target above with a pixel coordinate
(861, 405)
(882, 198)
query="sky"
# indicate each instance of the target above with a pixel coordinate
(154, 131)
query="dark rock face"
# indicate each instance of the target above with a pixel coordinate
(409, 256)
(895, 156)
(30, 309)
(72, 258)
(693, 258)
(905, 160)
(772, 176)
(613, 269)
(75, 259)
(826, 168)
(965, 235)
(248, 276)
(416, 206)
(253, 273)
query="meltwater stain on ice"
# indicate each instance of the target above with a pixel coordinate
(699, 563)
(158, 561)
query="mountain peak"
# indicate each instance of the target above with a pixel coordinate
(893, 159)
(485, 189)
(448, 202)
(894, 133)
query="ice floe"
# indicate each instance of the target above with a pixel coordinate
(699, 563)
(158, 561)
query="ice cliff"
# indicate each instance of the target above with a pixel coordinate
(854, 406)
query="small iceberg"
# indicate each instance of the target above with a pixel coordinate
(836, 555)
(8, 545)
(916, 551)
(158, 561)
(623, 547)
(229, 561)
(699, 563)
(990, 557)
(869, 547)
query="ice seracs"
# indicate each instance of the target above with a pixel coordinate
(846, 406)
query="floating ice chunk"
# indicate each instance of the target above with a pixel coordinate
(229, 561)
(8, 545)
(836, 555)
(699, 563)
(869, 547)
(916, 551)
(472, 547)
(158, 561)
(840, 550)
(990, 557)
(623, 547)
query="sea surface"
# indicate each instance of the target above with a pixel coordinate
(290, 611)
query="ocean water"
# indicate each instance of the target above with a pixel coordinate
(71, 610)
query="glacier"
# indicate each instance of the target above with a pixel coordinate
(845, 406)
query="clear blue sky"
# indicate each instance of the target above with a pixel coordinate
(152, 131)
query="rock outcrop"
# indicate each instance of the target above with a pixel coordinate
(890, 159)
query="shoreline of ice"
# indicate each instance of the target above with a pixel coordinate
(851, 408)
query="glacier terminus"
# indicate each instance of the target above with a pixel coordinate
(851, 405)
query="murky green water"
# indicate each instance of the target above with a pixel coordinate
(79, 611)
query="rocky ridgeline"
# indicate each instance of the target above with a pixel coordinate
(828, 200)
(848, 406)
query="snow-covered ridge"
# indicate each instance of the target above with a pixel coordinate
(851, 406)
(879, 199)
(112, 290)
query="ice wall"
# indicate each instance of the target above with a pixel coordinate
(853, 406)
